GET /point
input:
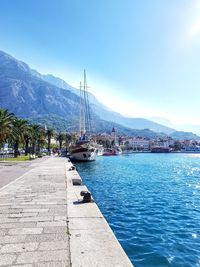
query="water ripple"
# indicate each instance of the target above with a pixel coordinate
(152, 203)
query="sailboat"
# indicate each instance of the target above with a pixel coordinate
(85, 149)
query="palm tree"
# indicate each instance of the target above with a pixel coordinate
(60, 138)
(49, 134)
(35, 130)
(19, 127)
(41, 138)
(6, 120)
(27, 138)
(70, 139)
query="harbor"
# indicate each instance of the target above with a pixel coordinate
(99, 133)
(151, 202)
(43, 221)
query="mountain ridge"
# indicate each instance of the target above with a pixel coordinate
(32, 95)
(142, 123)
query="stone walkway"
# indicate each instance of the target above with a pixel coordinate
(33, 217)
(10, 170)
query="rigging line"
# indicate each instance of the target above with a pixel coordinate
(88, 117)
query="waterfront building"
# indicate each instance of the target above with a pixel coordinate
(140, 144)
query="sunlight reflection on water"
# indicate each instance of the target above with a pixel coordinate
(152, 203)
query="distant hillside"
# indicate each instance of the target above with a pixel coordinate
(48, 99)
(106, 114)
(180, 135)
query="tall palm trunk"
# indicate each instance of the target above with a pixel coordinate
(16, 147)
(26, 147)
(49, 144)
(33, 148)
(60, 144)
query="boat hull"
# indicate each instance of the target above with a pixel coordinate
(112, 152)
(84, 156)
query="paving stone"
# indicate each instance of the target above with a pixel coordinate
(20, 215)
(3, 232)
(37, 219)
(9, 211)
(18, 247)
(26, 265)
(58, 229)
(60, 218)
(12, 239)
(53, 213)
(8, 220)
(46, 203)
(4, 207)
(51, 224)
(55, 245)
(48, 237)
(27, 206)
(25, 231)
(7, 259)
(42, 256)
(6, 203)
(53, 264)
(34, 210)
(17, 225)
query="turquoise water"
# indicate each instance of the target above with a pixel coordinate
(152, 203)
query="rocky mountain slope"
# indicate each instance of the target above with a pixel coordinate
(50, 100)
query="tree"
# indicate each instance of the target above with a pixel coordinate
(27, 138)
(6, 120)
(41, 138)
(177, 146)
(49, 134)
(69, 140)
(127, 145)
(35, 131)
(60, 138)
(19, 127)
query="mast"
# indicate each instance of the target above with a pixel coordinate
(85, 118)
(82, 111)
(87, 109)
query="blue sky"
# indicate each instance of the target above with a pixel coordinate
(142, 57)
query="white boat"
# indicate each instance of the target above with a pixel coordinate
(115, 151)
(85, 149)
(100, 149)
(83, 152)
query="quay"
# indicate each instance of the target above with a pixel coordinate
(44, 223)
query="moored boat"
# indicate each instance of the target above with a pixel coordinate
(112, 151)
(109, 152)
(83, 152)
(84, 149)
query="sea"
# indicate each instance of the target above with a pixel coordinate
(152, 203)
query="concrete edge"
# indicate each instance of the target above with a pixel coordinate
(92, 242)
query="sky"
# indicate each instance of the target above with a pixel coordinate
(142, 57)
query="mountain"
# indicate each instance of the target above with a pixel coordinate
(180, 135)
(46, 98)
(104, 112)
(28, 96)
(182, 128)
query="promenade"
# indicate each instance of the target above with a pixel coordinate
(43, 223)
